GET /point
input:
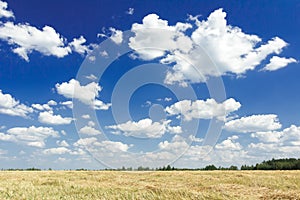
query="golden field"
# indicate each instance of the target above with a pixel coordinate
(149, 185)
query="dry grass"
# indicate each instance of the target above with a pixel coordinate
(150, 185)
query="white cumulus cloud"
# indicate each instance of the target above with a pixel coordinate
(78, 46)
(26, 38)
(213, 48)
(10, 106)
(41, 107)
(6, 137)
(82, 142)
(284, 143)
(253, 123)
(288, 136)
(89, 130)
(56, 151)
(100, 105)
(73, 89)
(52, 103)
(62, 143)
(69, 104)
(4, 12)
(31, 136)
(278, 63)
(48, 117)
(201, 109)
(86, 116)
(115, 35)
(114, 147)
(229, 144)
(145, 128)
(154, 37)
(105, 146)
(176, 145)
(85, 93)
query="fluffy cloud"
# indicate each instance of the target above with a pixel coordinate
(27, 38)
(48, 117)
(91, 123)
(116, 35)
(86, 116)
(31, 136)
(6, 137)
(283, 143)
(41, 107)
(78, 46)
(201, 109)
(288, 136)
(52, 103)
(155, 36)
(10, 106)
(57, 151)
(174, 129)
(102, 146)
(4, 12)
(73, 89)
(253, 123)
(46, 106)
(269, 136)
(195, 139)
(278, 63)
(82, 142)
(85, 93)
(177, 145)
(229, 144)
(145, 128)
(270, 144)
(114, 147)
(69, 104)
(214, 47)
(89, 130)
(80, 152)
(100, 105)
(62, 143)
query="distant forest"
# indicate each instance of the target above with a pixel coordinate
(274, 164)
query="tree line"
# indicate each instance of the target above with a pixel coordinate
(274, 164)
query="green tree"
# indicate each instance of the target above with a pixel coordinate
(210, 167)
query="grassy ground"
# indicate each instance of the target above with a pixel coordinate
(150, 185)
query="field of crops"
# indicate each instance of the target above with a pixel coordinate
(149, 185)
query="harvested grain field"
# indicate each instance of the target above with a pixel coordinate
(150, 185)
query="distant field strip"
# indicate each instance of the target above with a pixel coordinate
(149, 185)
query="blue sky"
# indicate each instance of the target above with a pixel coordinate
(129, 83)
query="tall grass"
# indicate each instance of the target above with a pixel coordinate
(149, 185)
